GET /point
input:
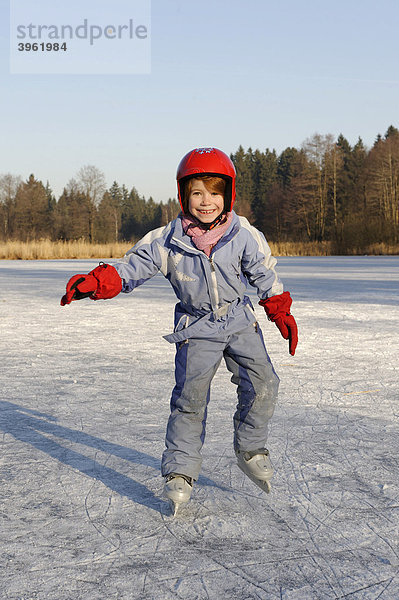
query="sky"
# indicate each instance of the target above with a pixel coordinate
(224, 73)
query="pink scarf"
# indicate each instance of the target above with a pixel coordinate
(205, 239)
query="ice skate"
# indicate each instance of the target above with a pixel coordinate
(177, 490)
(257, 466)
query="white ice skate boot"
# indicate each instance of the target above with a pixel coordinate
(177, 490)
(257, 466)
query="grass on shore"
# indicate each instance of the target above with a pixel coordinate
(46, 249)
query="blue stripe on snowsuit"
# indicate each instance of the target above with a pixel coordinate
(247, 394)
(180, 375)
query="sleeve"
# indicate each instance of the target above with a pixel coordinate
(258, 264)
(144, 260)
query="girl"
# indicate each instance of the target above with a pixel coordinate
(209, 255)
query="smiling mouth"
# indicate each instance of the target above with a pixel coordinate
(207, 212)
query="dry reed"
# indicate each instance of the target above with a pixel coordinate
(46, 249)
(301, 248)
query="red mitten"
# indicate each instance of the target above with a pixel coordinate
(101, 283)
(278, 310)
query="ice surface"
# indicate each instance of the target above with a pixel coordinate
(85, 398)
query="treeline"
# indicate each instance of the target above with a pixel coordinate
(325, 191)
(86, 210)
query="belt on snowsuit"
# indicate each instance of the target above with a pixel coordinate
(204, 326)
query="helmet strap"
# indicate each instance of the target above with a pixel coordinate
(215, 223)
(208, 226)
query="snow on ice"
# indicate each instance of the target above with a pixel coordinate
(85, 399)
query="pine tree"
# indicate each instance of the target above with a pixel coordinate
(286, 166)
(132, 216)
(31, 211)
(391, 132)
(72, 214)
(265, 176)
(245, 184)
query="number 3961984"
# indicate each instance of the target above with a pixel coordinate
(42, 47)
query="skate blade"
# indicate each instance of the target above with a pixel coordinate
(174, 507)
(265, 486)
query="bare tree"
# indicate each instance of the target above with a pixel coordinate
(91, 182)
(9, 185)
(383, 185)
(72, 187)
(320, 151)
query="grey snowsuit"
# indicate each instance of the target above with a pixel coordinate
(213, 320)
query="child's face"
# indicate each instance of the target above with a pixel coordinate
(203, 204)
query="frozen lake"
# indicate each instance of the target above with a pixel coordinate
(84, 405)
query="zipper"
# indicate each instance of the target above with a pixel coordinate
(214, 282)
(213, 288)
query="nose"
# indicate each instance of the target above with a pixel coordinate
(206, 197)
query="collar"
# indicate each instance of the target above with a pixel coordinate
(177, 234)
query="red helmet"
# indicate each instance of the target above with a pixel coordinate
(207, 161)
